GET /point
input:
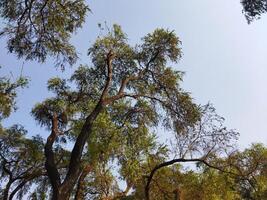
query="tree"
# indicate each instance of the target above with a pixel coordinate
(21, 162)
(137, 77)
(178, 183)
(108, 113)
(252, 164)
(36, 29)
(240, 175)
(105, 110)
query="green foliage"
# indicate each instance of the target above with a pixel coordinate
(252, 163)
(8, 93)
(36, 29)
(211, 184)
(22, 162)
(138, 93)
(44, 112)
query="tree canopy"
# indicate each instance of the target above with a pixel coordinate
(105, 120)
(35, 29)
(132, 86)
(103, 124)
(253, 9)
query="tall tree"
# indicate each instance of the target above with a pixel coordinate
(36, 29)
(120, 73)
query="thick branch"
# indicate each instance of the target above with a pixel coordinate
(26, 180)
(50, 165)
(76, 154)
(125, 81)
(6, 190)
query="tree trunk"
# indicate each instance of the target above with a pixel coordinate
(74, 170)
(63, 190)
(177, 194)
(81, 183)
(61, 195)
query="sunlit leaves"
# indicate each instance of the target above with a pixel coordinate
(8, 93)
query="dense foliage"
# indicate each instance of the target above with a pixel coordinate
(103, 124)
(38, 28)
(105, 121)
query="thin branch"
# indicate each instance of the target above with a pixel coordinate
(109, 58)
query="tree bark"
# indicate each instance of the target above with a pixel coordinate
(76, 155)
(177, 194)
(81, 183)
(62, 191)
(50, 165)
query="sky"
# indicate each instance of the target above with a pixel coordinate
(224, 58)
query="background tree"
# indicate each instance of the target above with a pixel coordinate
(241, 175)
(22, 162)
(251, 163)
(253, 9)
(8, 94)
(36, 29)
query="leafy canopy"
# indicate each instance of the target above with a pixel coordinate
(38, 28)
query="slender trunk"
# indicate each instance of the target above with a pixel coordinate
(63, 190)
(177, 194)
(76, 154)
(50, 165)
(81, 183)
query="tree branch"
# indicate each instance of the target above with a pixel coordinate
(171, 162)
(50, 165)
(109, 58)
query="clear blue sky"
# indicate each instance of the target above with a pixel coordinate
(224, 57)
